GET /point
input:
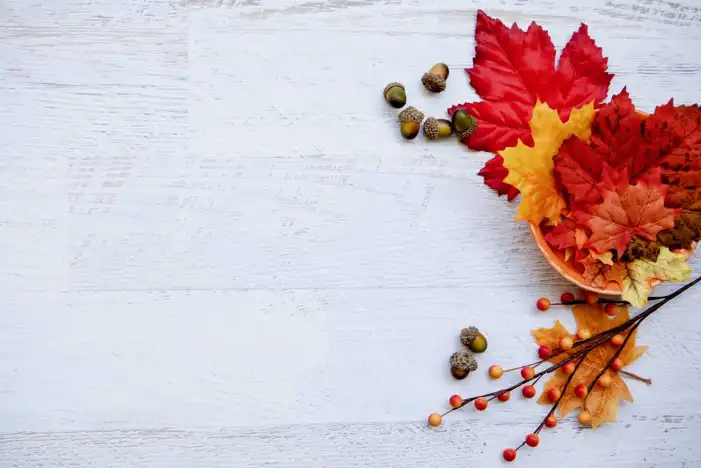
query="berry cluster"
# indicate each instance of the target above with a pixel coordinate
(572, 354)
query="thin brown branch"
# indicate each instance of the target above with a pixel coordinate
(635, 377)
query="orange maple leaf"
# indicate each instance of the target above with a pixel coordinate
(627, 210)
(600, 269)
(601, 402)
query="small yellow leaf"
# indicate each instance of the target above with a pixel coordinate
(669, 266)
(531, 168)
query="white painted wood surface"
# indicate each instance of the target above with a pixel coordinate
(216, 251)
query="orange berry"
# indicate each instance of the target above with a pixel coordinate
(551, 421)
(592, 298)
(605, 381)
(495, 371)
(509, 455)
(435, 419)
(584, 418)
(583, 334)
(527, 372)
(455, 401)
(543, 304)
(504, 397)
(528, 391)
(544, 352)
(481, 403)
(566, 298)
(568, 368)
(617, 340)
(581, 391)
(611, 310)
(553, 394)
(532, 440)
(566, 342)
(616, 365)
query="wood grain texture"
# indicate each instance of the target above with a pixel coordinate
(217, 250)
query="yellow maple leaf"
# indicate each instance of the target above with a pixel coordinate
(669, 266)
(601, 402)
(531, 168)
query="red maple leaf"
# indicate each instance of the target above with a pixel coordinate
(578, 171)
(623, 139)
(513, 69)
(568, 233)
(494, 173)
(626, 210)
(681, 167)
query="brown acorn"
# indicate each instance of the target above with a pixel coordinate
(434, 80)
(461, 364)
(437, 128)
(395, 95)
(410, 122)
(464, 124)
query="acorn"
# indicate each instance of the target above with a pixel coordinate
(461, 364)
(395, 95)
(437, 128)
(434, 80)
(410, 122)
(473, 339)
(464, 124)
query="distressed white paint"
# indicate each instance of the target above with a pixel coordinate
(217, 251)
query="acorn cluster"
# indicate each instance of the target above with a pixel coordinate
(463, 362)
(410, 119)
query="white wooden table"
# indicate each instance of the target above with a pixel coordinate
(216, 250)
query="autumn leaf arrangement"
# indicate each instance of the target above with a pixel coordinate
(614, 193)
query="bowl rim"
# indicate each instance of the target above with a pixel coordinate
(572, 275)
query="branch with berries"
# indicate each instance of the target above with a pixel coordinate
(585, 369)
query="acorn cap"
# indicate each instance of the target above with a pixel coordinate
(433, 82)
(463, 360)
(468, 335)
(431, 128)
(411, 114)
(392, 85)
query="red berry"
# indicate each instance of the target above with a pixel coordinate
(616, 365)
(532, 440)
(567, 297)
(455, 401)
(592, 298)
(553, 394)
(544, 352)
(527, 372)
(581, 391)
(481, 403)
(568, 368)
(551, 421)
(509, 455)
(543, 304)
(528, 391)
(611, 310)
(504, 397)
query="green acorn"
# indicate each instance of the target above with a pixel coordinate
(464, 124)
(410, 122)
(473, 339)
(437, 128)
(395, 95)
(434, 80)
